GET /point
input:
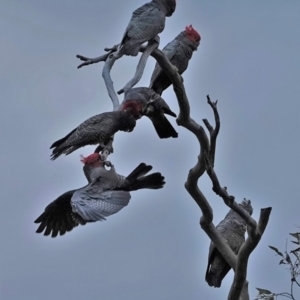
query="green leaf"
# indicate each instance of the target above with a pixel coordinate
(276, 250)
(263, 291)
(297, 236)
(295, 250)
(282, 262)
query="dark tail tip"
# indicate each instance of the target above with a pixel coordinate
(164, 128)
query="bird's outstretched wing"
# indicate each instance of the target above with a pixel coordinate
(58, 217)
(94, 206)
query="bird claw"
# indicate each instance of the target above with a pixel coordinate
(108, 148)
(101, 148)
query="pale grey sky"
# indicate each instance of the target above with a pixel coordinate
(248, 59)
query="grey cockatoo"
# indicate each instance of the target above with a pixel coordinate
(146, 23)
(232, 229)
(106, 194)
(144, 101)
(95, 130)
(179, 52)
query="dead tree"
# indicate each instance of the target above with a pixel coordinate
(205, 164)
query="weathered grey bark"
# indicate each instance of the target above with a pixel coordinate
(205, 163)
(109, 62)
(141, 65)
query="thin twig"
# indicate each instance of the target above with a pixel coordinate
(292, 293)
(213, 131)
(287, 295)
(90, 61)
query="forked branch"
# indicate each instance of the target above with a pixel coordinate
(239, 289)
(205, 162)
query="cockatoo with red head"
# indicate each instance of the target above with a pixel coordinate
(146, 23)
(179, 52)
(95, 130)
(143, 101)
(106, 194)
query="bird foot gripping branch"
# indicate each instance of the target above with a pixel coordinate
(105, 149)
(146, 23)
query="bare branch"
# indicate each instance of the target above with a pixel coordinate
(205, 162)
(286, 295)
(107, 79)
(90, 61)
(213, 131)
(239, 288)
(141, 65)
(167, 67)
(292, 294)
(245, 251)
(198, 170)
(229, 200)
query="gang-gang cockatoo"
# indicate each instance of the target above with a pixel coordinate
(179, 52)
(232, 228)
(144, 101)
(106, 194)
(146, 23)
(95, 130)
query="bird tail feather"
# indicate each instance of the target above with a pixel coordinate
(137, 180)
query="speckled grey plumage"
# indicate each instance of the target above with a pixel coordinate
(95, 130)
(154, 107)
(179, 52)
(232, 229)
(146, 22)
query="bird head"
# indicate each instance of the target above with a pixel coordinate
(246, 204)
(127, 121)
(93, 165)
(92, 160)
(168, 6)
(192, 34)
(171, 4)
(134, 107)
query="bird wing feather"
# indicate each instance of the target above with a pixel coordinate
(169, 51)
(92, 206)
(146, 22)
(58, 217)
